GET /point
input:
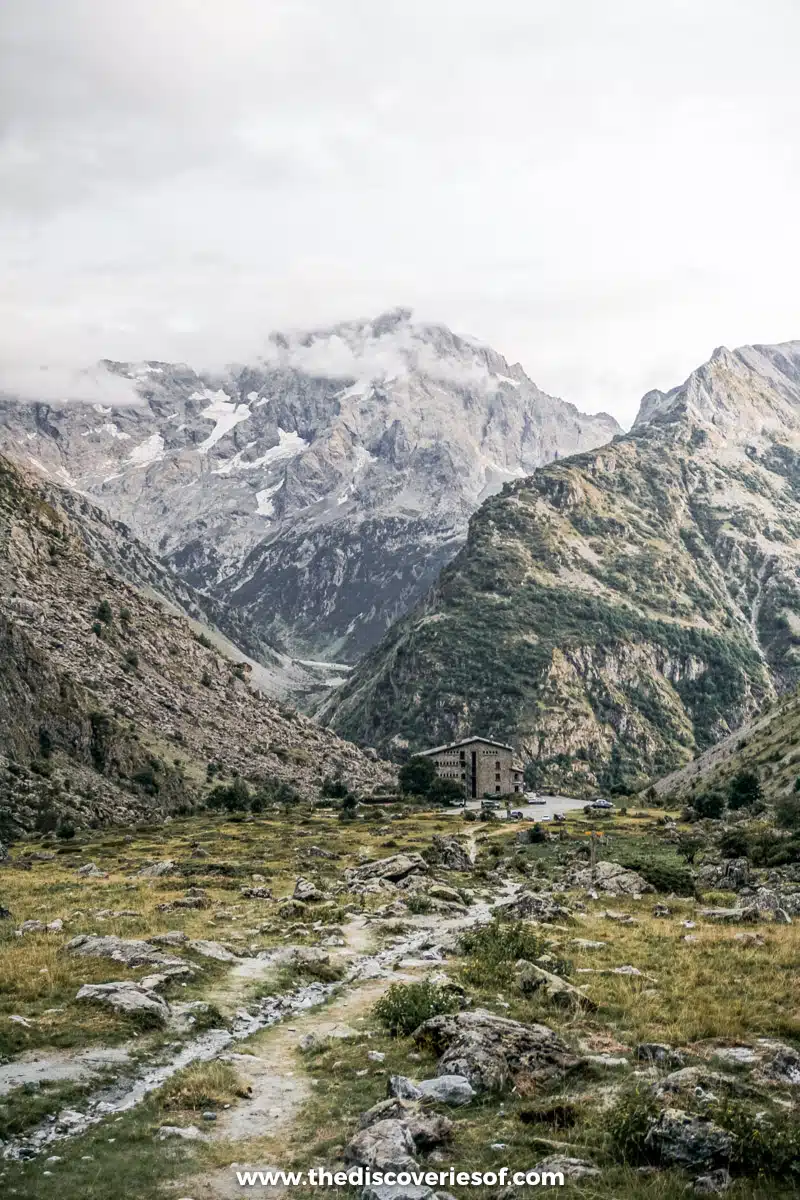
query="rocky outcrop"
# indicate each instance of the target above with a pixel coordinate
(128, 999)
(392, 869)
(682, 1140)
(491, 1051)
(612, 880)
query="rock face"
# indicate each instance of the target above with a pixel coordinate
(616, 612)
(489, 1051)
(320, 490)
(95, 672)
(448, 853)
(393, 869)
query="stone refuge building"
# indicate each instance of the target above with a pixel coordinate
(481, 765)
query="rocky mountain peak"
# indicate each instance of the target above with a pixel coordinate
(753, 391)
(321, 488)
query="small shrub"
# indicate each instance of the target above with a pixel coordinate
(628, 1123)
(104, 612)
(709, 804)
(204, 641)
(65, 830)
(131, 658)
(405, 1006)
(491, 950)
(335, 788)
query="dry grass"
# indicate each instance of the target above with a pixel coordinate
(202, 1087)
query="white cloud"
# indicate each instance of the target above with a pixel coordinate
(60, 383)
(602, 192)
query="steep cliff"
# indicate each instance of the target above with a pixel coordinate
(618, 611)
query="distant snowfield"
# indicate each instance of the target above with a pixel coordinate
(148, 451)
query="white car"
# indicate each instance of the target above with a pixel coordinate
(601, 803)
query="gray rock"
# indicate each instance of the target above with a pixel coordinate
(586, 944)
(696, 1081)
(428, 1132)
(535, 906)
(385, 1146)
(391, 1109)
(157, 869)
(396, 1191)
(658, 1053)
(713, 1183)
(682, 1140)
(306, 891)
(612, 879)
(570, 1168)
(127, 998)
(447, 1089)
(533, 980)
(90, 870)
(256, 893)
(490, 1051)
(215, 950)
(732, 916)
(403, 1088)
(396, 867)
(173, 937)
(131, 951)
(447, 852)
(187, 1133)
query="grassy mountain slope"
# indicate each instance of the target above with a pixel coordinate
(619, 611)
(112, 703)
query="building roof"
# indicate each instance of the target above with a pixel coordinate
(467, 742)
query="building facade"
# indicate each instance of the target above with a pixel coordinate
(483, 767)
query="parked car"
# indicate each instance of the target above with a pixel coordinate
(534, 798)
(601, 803)
(515, 815)
(489, 803)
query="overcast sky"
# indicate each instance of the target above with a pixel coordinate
(602, 191)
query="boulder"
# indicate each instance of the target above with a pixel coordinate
(531, 979)
(385, 1146)
(130, 951)
(300, 956)
(187, 1133)
(156, 870)
(447, 852)
(306, 891)
(215, 950)
(428, 1132)
(173, 937)
(698, 1082)
(587, 944)
(682, 1140)
(489, 1051)
(440, 891)
(396, 867)
(621, 918)
(732, 916)
(127, 998)
(256, 893)
(612, 879)
(90, 870)
(402, 1088)
(454, 1090)
(535, 906)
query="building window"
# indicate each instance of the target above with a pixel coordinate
(497, 789)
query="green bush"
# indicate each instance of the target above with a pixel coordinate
(709, 804)
(335, 788)
(744, 790)
(764, 1144)
(404, 1007)
(491, 950)
(104, 613)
